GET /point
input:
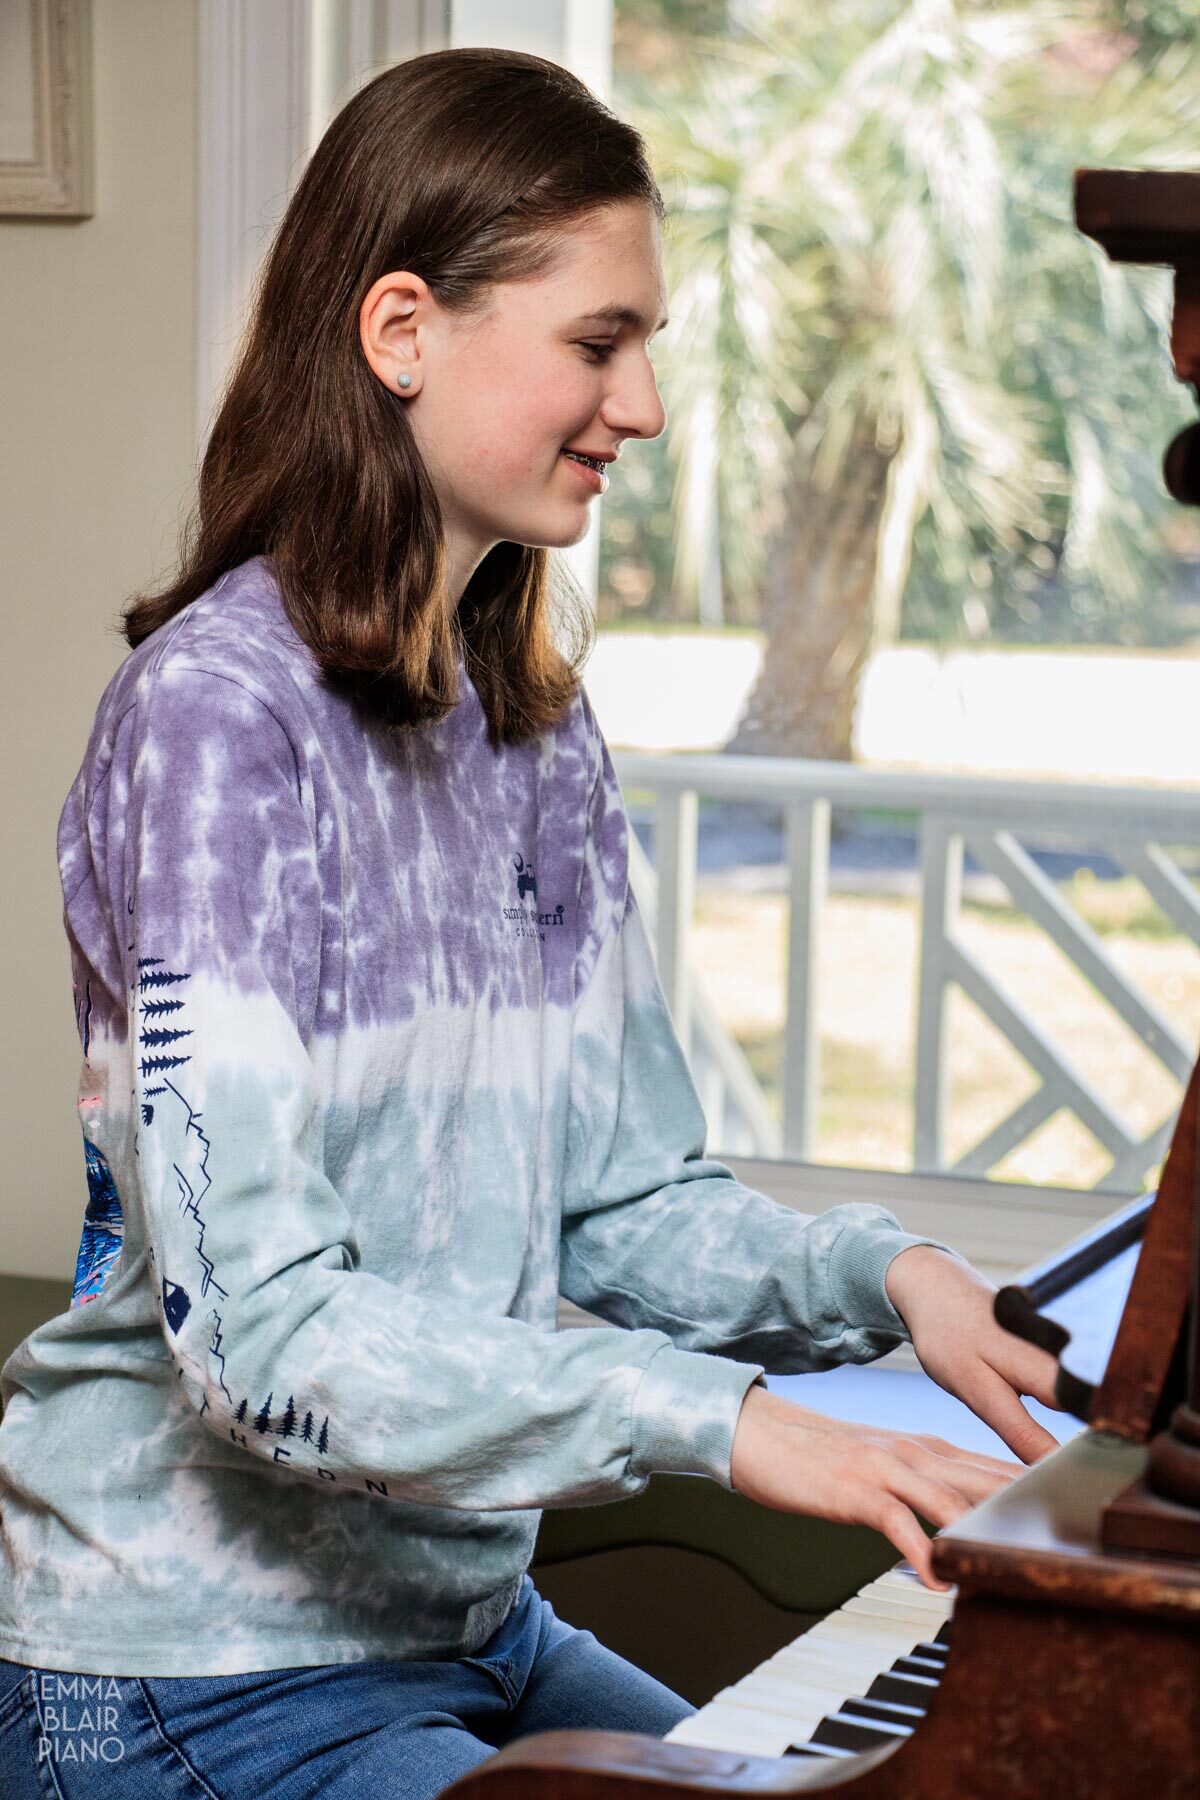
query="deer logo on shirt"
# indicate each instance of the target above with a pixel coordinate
(526, 880)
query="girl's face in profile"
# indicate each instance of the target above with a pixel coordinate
(494, 401)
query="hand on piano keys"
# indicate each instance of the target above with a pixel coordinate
(792, 1459)
(861, 1677)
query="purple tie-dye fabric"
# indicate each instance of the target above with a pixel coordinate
(375, 1064)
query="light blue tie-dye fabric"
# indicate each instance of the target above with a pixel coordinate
(376, 1062)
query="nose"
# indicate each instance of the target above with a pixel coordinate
(633, 405)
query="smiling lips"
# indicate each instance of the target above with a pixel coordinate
(591, 469)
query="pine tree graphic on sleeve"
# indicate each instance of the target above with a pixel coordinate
(152, 976)
(288, 1424)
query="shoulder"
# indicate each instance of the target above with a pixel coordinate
(229, 661)
(237, 634)
(240, 634)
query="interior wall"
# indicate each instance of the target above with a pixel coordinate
(97, 469)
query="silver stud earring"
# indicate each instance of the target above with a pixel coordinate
(406, 381)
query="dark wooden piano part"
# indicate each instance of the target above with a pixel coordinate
(1072, 1671)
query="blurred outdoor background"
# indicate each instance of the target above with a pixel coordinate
(908, 515)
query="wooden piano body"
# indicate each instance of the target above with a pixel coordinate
(1070, 1669)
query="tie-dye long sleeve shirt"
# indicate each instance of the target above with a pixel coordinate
(375, 1065)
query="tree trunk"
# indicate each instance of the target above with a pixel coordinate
(817, 616)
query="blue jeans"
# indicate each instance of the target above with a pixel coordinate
(393, 1730)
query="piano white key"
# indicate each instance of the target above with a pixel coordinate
(801, 1719)
(917, 1609)
(719, 1726)
(843, 1678)
(895, 1582)
(719, 1738)
(887, 1606)
(780, 1691)
(796, 1667)
(914, 1617)
(835, 1657)
(912, 1584)
(916, 1604)
(844, 1662)
(872, 1615)
(847, 1628)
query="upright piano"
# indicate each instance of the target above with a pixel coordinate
(1064, 1663)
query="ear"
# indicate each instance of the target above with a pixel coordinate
(391, 327)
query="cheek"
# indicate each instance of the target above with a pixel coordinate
(524, 411)
(550, 406)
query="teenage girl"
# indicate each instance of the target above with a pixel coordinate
(376, 1063)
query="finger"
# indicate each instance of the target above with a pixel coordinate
(900, 1526)
(991, 1465)
(1026, 1368)
(930, 1499)
(992, 1400)
(974, 1481)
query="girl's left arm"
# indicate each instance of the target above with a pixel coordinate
(656, 1233)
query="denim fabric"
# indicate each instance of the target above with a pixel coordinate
(391, 1730)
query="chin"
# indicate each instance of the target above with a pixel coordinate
(541, 538)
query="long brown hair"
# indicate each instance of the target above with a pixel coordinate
(462, 166)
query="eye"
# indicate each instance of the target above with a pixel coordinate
(600, 352)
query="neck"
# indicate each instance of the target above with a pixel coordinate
(464, 553)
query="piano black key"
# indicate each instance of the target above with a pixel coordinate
(912, 1690)
(846, 1733)
(826, 1750)
(937, 1653)
(942, 1636)
(895, 1710)
(919, 1665)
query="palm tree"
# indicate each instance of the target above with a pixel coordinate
(884, 320)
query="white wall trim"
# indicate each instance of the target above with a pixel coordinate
(254, 104)
(271, 75)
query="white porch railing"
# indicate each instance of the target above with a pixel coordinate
(1136, 827)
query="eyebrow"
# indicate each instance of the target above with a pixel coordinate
(619, 315)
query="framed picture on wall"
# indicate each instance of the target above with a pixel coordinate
(46, 109)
